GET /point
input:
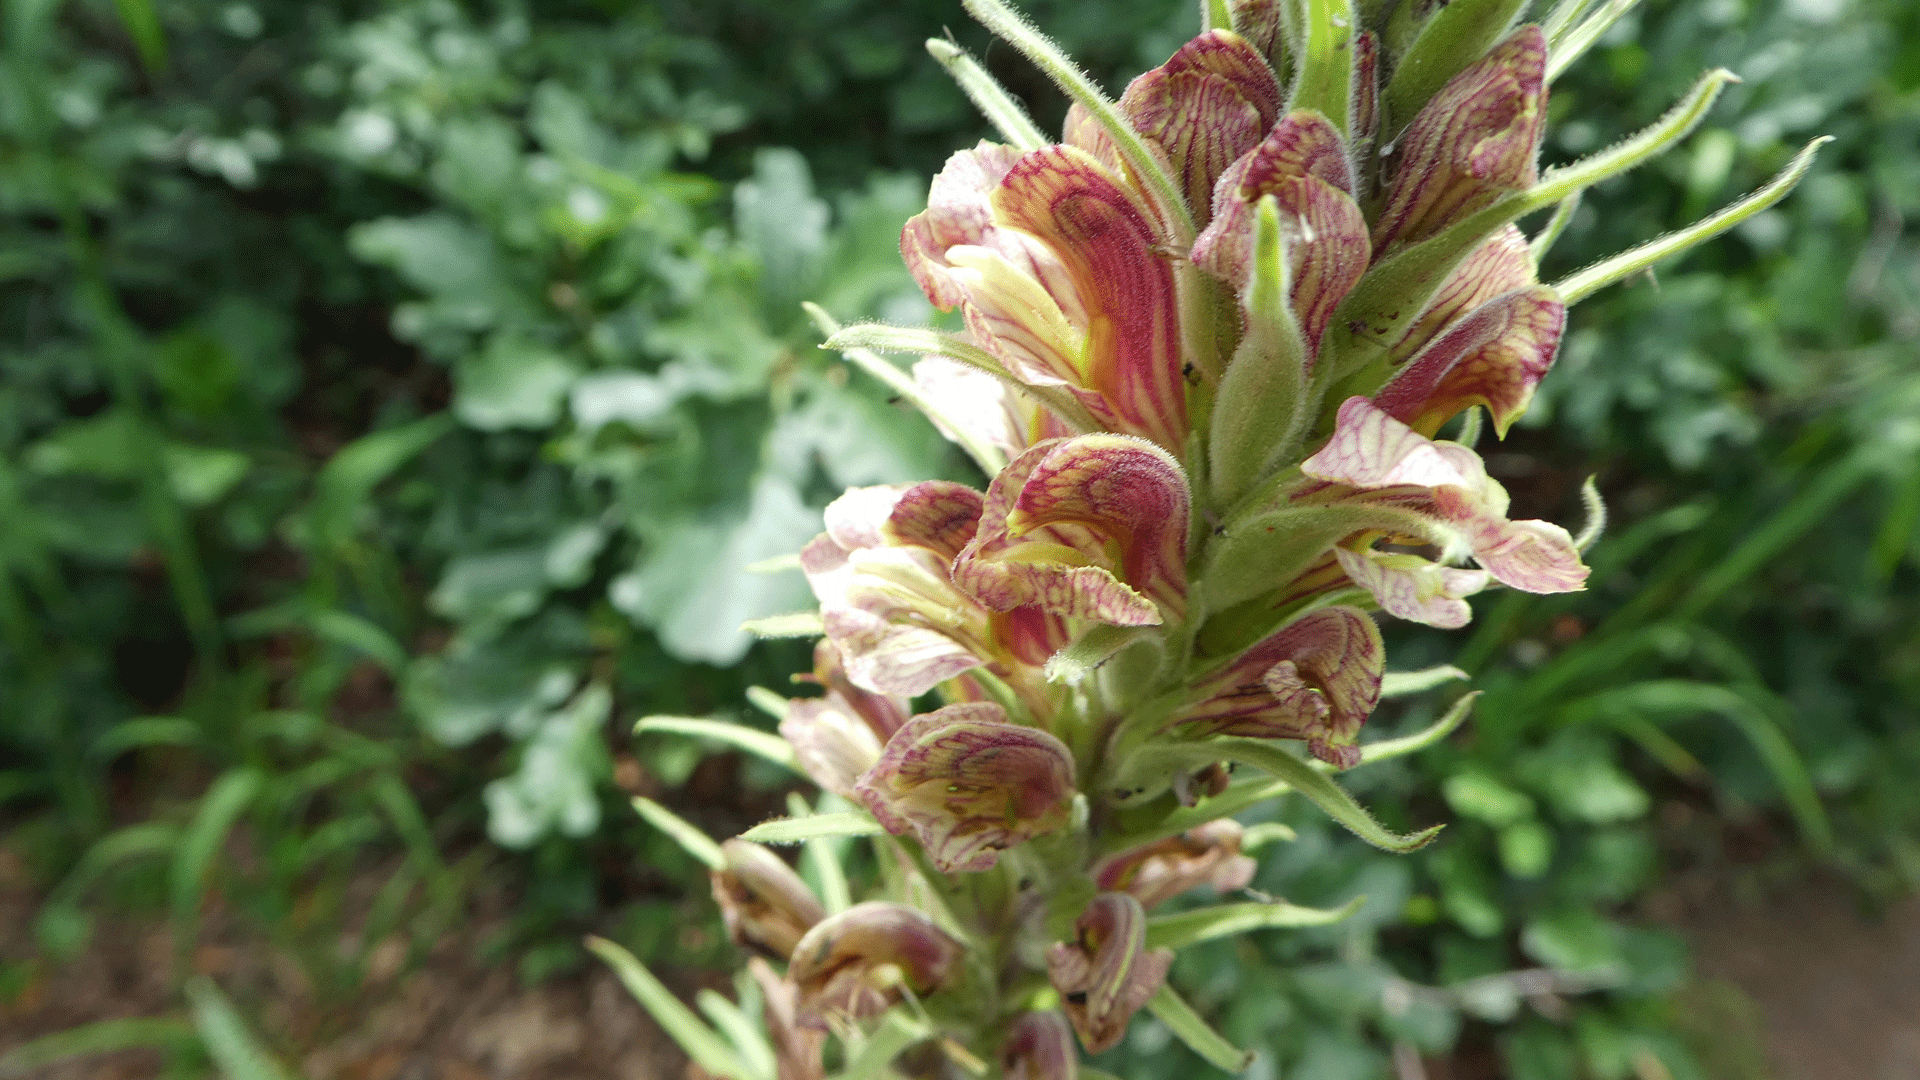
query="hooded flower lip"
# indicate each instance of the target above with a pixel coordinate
(1443, 493)
(1303, 164)
(796, 1048)
(881, 574)
(969, 784)
(1317, 679)
(1205, 106)
(1106, 972)
(1157, 872)
(1039, 1046)
(765, 905)
(1092, 527)
(1056, 267)
(1493, 357)
(1502, 263)
(855, 964)
(1477, 139)
(838, 736)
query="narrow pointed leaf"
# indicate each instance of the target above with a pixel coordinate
(700, 1042)
(685, 833)
(1327, 795)
(222, 805)
(1226, 920)
(1420, 740)
(1172, 1010)
(926, 342)
(100, 1037)
(760, 743)
(1584, 283)
(985, 455)
(740, 1030)
(1402, 683)
(767, 702)
(230, 1043)
(795, 830)
(1596, 517)
(1010, 27)
(791, 625)
(1573, 44)
(987, 95)
(1549, 234)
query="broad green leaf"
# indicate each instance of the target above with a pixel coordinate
(512, 383)
(1226, 920)
(554, 787)
(772, 747)
(235, 1048)
(346, 482)
(1325, 794)
(1172, 1010)
(795, 830)
(685, 833)
(361, 635)
(681, 1025)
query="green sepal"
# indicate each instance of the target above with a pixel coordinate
(1225, 920)
(1320, 38)
(792, 624)
(896, 1032)
(1454, 36)
(1258, 411)
(1094, 648)
(814, 827)
(1268, 550)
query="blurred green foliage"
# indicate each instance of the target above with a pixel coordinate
(395, 398)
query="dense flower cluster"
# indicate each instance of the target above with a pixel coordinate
(1211, 339)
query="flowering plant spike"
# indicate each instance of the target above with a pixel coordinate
(1213, 339)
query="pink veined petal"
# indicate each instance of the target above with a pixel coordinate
(1493, 357)
(1478, 138)
(1501, 264)
(1205, 106)
(833, 743)
(852, 964)
(938, 515)
(1317, 679)
(958, 212)
(1039, 1046)
(969, 784)
(1106, 972)
(1366, 87)
(1092, 527)
(1416, 589)
(1370, 449)
(1109, 247)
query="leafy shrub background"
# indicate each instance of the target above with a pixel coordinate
(395, 397)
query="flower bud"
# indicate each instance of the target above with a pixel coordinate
(856, 963)
(1039, 1046)
(1106, 972)
(969, 784)
(1205, 107)
(1477, 139)
(1162, 870)
(1093, 527)
(765, 905)
(1317, 678)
